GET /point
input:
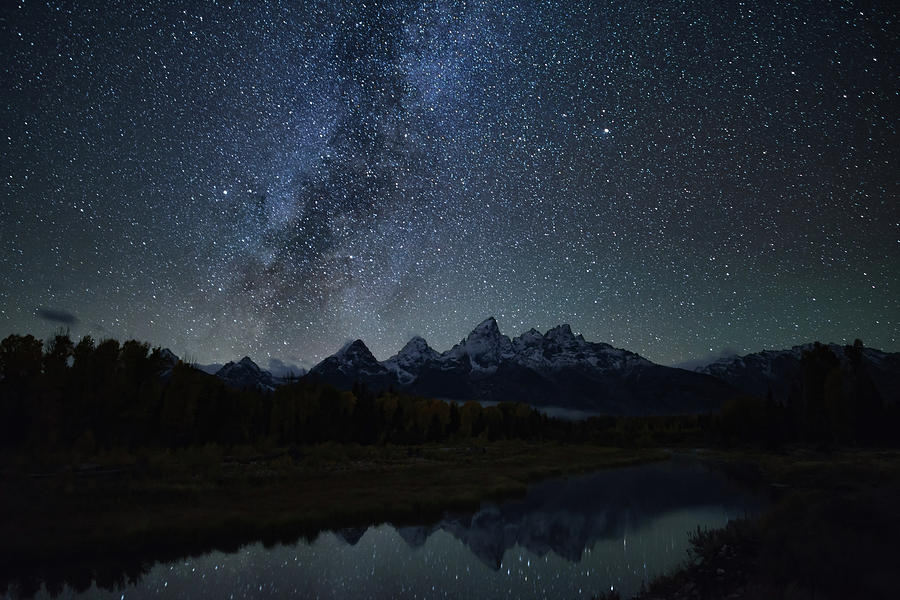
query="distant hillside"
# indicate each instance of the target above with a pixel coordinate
(779, 371)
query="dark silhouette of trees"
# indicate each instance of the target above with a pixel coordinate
(20, 375)
(56, 358)
(87, 397)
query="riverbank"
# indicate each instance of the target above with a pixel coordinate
(111, 518)
(830, 533)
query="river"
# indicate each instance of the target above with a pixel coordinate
(566, 538)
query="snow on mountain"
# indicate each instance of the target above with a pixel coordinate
(558, 368)
(357, 357)
(351, 364)
(779, 371)
(246, 374)
(484, 348)
(407, 363)
(559, 348)
(282, 370)
(529, 339)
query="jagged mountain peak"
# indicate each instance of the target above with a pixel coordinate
(354, 362)
(416, 344)
(556, 368)
(355, 352)
(529, 339)
(561, 338)
(248, 362)
(485, 346)
(488, 327)
(560, 332)
(355, 346)
(410, 359)
(351, 353)
(417, 351)
(246, 374)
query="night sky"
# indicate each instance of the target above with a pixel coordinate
(227, 178)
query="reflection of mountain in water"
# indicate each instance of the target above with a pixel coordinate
(351, 535)
(567, 516)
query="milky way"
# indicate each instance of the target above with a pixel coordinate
(273, 179)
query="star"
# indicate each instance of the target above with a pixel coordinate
(270, 180)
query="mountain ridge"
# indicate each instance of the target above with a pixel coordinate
(558, 368)
(773, 372)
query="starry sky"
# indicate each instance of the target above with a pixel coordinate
(272, 179)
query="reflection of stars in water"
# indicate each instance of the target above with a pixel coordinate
(565, 538)
(382, 563)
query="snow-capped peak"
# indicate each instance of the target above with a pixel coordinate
(355, 351)
(246, 374)
(529, 339)
(353, 361)
(488, 327)
(484, 347)
(560, 333)
(354, 357)
(410, 359)
(417, 350)
(245, 365)
(248, 362)
(489, 365)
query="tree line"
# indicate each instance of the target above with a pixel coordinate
(831, 403)
(90, 396)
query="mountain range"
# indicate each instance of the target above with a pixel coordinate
(560, 370)
(777, 372)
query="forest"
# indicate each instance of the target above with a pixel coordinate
(160, 459)
(85, 397)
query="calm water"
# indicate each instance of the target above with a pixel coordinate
(567, 538)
